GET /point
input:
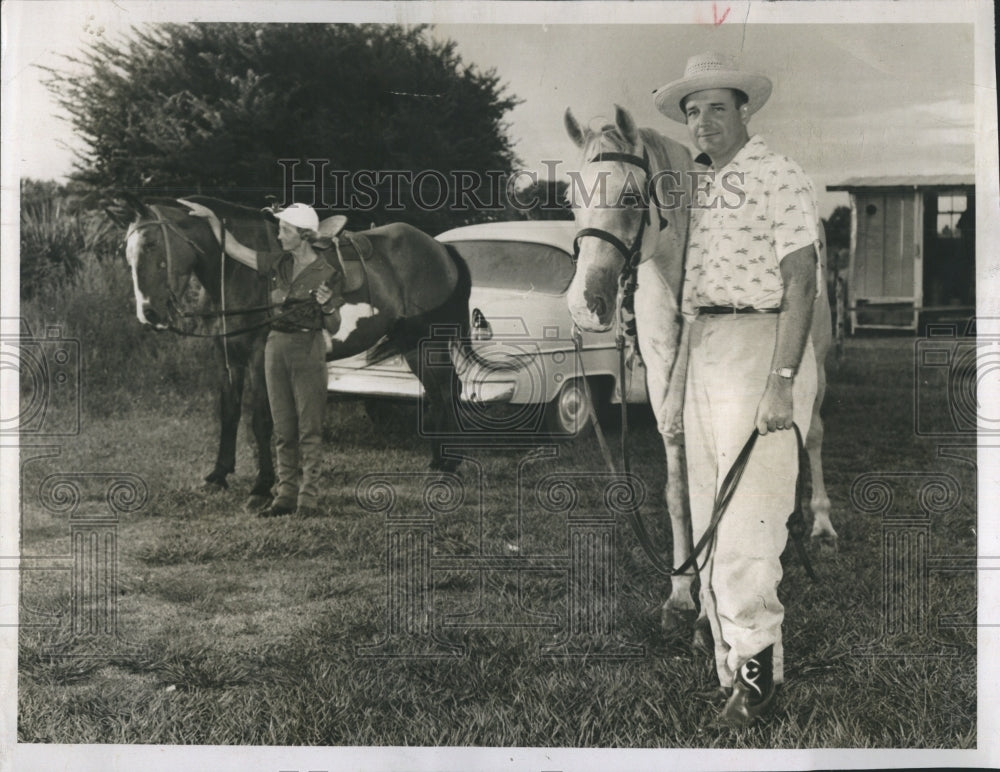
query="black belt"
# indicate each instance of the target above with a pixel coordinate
(724, 310)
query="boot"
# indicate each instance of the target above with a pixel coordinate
(753, 691)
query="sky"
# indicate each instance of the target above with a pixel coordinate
(849, 100)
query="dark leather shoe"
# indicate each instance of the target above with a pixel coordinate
(276, 510)
(753, 691)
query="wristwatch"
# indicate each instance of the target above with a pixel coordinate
(784, 372)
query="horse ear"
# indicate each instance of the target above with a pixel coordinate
(124, 208)
(625, 124)
(573, 128)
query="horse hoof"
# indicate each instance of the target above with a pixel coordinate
(825, 543)
(256, 503)
(213, 486)
(673, 618)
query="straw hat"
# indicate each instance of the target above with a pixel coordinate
(300, 215)
(711, 70)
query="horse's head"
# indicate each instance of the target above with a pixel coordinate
(611, 208)
(163, 243)
(632, 184)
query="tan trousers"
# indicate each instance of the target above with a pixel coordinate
(728, 366)
(295, 367)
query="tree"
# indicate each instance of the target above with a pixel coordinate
(545, 200)
(838, 230)
(240, 111)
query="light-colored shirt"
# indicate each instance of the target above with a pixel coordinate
(746, 217)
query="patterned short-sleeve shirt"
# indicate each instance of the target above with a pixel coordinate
(745, 218)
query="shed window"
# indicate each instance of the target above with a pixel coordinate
(950, 208)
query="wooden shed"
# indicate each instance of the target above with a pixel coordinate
(913, 250)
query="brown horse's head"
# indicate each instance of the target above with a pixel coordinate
(163, 244)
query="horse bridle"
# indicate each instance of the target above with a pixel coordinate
(166, 227)
(631, 253)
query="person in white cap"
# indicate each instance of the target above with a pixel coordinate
(295, 352)
(751, 277)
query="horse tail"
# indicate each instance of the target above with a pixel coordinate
(463, 354)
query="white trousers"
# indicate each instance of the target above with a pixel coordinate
(728, 366)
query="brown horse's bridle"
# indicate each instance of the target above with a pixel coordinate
(166, 228)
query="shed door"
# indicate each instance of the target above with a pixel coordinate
(885, 282)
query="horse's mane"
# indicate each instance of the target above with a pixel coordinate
(220, 207)
(251, 226)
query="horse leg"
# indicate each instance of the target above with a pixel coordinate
(263, 429)
(678, 609)
(442, 389)
(230, 407)
(822, 530)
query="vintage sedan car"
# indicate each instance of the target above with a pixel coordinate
(520, 274)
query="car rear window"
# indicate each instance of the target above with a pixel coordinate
(517, 265)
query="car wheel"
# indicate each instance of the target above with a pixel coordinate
(569, 413)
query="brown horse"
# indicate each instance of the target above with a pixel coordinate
(398, 285)
(618, 162)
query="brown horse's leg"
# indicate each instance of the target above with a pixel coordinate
(263, 429)
(230, 407)
(441, 387)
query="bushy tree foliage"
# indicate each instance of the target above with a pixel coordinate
(212, 108)
(838, 230)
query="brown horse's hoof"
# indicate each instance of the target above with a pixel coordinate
(256, 504)
(211, 487)
(448, 466)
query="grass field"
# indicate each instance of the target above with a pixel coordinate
(239, 630)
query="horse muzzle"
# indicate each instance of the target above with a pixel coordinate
(150, 317)
(593, 314)
(592, 311)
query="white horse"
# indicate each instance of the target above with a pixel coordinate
(622, 164)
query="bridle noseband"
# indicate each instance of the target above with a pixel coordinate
(630, 253)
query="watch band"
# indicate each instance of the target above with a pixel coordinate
(784, 372)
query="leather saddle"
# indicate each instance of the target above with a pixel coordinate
(354, 250)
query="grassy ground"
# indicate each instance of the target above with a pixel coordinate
(239, 630)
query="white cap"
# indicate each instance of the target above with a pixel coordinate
(300, 215)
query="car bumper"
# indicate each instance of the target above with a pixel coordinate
(392, 379)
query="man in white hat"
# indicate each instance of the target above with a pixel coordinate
(751, 277)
